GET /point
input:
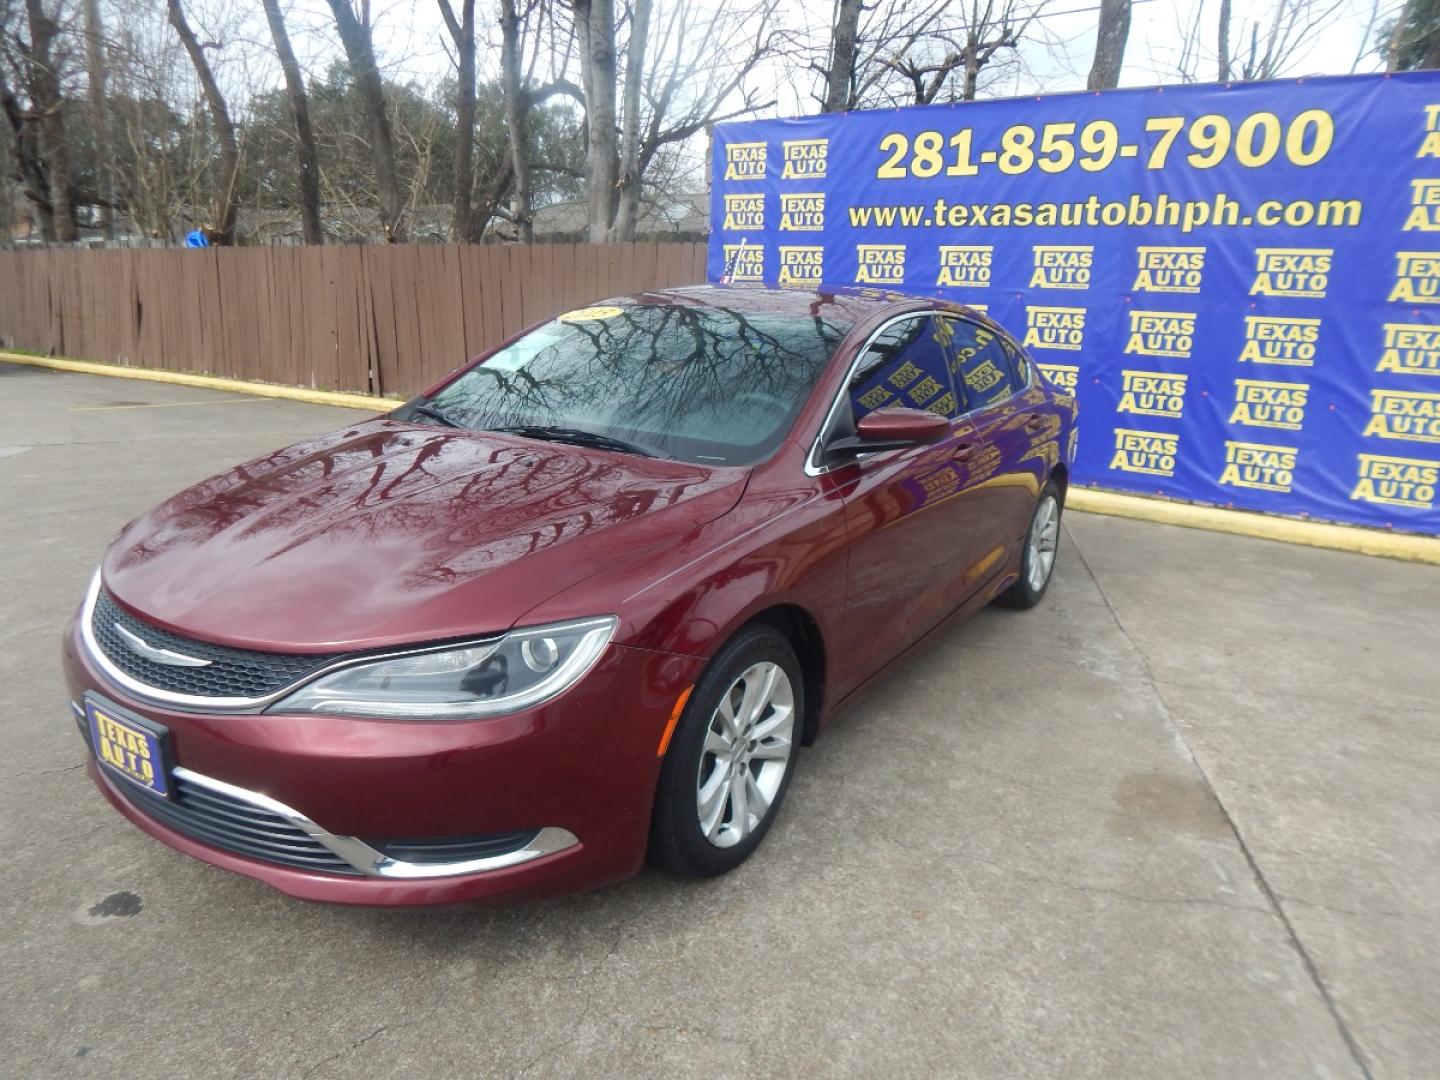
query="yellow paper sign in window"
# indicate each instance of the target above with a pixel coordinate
(590, 314)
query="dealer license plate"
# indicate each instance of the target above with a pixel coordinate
(129, 746)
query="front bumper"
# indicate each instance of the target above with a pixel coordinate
(578, 771)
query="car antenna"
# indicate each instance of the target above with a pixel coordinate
(727, 276)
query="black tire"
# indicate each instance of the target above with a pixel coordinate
(677, 840)
(1024, 595)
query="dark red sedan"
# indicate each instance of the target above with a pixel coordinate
(583, 600)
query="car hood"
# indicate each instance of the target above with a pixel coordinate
(390, 532)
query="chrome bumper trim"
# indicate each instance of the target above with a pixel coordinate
(377, 864)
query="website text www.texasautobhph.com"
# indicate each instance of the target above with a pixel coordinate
(1187, 215)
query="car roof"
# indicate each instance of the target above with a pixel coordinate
(841, 303)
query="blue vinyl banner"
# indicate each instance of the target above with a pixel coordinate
(1240, 283)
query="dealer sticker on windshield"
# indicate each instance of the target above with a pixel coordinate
(587, 314)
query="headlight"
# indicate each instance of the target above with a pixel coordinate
(521, 669)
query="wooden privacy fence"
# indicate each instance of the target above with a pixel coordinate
(380, 320)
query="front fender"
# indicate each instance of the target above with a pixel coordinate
(782, 543)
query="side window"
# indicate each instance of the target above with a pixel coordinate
(907, 364)
(1019, 364)
(986, 370)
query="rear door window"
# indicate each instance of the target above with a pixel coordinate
(986, 371)
(908, 363)
(1019, 364)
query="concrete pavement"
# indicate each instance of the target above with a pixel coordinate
(1182, 819)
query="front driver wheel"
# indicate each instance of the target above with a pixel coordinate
(1042, 540)
(731, 758)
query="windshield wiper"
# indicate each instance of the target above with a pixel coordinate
(431, 412)
(578, 436)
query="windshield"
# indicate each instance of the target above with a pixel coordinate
(703, 385)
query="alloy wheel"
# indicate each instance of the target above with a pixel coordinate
(746, 752)
(1044, 539)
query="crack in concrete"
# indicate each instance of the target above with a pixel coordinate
(587, 974)
(1375, 913)
(1035, 655)
(1271, 897)
(26, 774)
(342, 1053)
(691, 1028)
(1303, 694)
(554, 1046)
(1105, 890)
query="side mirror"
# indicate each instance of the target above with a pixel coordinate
(893, 428)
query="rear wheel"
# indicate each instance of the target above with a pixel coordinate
(1037, 563)
(731, 758)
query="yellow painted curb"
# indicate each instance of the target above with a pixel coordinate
(1391, 545)
(209, 382)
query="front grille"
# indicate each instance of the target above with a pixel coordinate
(454, 849)
(237, 826)
(240, 673)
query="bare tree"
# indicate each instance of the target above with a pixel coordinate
(223, 205)
(1266, 46)
(595, 29)
(679, 84)
(1186, 62)
(49, 105)
(1366, 40)
(29, 164)
(517, 115)
(840, 72)
(628, 212)
(676, 85)
(1110, 37)
(924, 51)
(146, 62)
(1281, 37)
(900, 52)
(358, 40)
(163, 155)
(462, 33)
(306, 158)
(925, 56)
(992, 27)
(1224, 43)
(511, 177)
(99, 114)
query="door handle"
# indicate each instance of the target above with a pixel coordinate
(1034, 422)
(963, 452)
